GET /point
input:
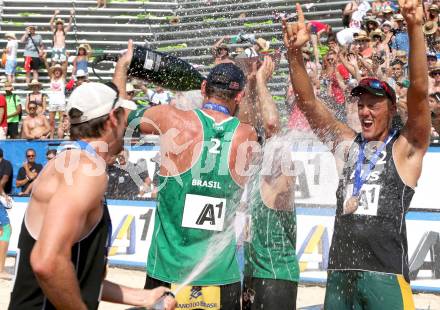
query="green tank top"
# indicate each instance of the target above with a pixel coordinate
(193, 209)
(270, 251)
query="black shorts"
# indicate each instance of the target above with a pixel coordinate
(35, 63)
(13, 130)
(229, 293)
(269, 294)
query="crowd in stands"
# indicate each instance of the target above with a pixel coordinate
(373, 43)
(40, 114)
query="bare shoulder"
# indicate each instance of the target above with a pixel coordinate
(246, 132)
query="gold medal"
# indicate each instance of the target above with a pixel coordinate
(351, 205)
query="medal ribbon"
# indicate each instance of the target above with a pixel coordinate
(216, 107)
(360, 180)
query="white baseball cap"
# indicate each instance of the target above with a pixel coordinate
(80, 73)
(96, 100)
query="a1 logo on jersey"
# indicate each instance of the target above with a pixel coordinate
(204, 212)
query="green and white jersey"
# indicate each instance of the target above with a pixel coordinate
(270, 249)
(193, 209)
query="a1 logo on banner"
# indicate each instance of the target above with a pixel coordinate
(204, 212)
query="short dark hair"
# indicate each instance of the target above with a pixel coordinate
(91, 129)
(225, 94)
(51, 151)
(397, 62)
(30, 150)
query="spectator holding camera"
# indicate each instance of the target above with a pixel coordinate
(220, 52)
(33, 50)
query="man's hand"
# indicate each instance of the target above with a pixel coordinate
(295, 35)
(125, 58)
(265, 72)
(56, 12)
(412, 11)
(72, 12)
(151, 297)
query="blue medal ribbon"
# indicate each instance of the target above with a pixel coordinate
(216, 107)
(360, 180)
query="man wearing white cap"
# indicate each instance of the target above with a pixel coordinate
(11, 58)
(64, 241)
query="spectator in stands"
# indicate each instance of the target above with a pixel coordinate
(57, 98)
(387, 28)
(64, 128)
(398, 79)
(388, 14)
(101, 3)
(33, 50)
(130, 91)
(220, 52)
(37, 97)
(259, 46)
(59, 55)
(122, 183)
(5, 200)
(28, 173)
(371, 24)
(81, 60)
(378, 6)
(50, 154)
(336, 76)
(159, 96)
(11, 58)
(14, 110)
(400, 41)
(432, 60)
(434, 105)
(362, 42)
(434, 73)
(81, 77)
(348, 11)
(433, 13)
(3, 118)
(35, 125)
(430, 29)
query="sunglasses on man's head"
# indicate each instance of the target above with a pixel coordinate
(374, 83)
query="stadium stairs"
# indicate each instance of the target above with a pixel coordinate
(200, 25)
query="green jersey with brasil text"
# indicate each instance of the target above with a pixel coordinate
(194, 215)
(270, 248)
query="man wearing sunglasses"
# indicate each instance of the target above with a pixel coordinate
(28, 173)
(368, 262)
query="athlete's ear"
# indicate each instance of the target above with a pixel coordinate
(203, 88)
(239, 97)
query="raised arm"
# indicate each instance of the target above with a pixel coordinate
(417, 128)
(266, 105)
(25, 35)
(52, 19)
(69, 24)
(320, 118)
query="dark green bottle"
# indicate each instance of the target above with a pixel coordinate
(165, 70)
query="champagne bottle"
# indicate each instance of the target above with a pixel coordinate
(161, 69)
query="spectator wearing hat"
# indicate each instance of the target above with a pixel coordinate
(14, 111)
(11, 56)
(81, 60)
(348, 11)
(60, 31)
(220, 52)
(378, 6)
(432, 15)
(388, 13)
(371, 24)
(81, 77)
(57, 98)
(33, 50)
(400, 41)
(432, 60)
(362, 44)
(430, 29)
(37, 97)
(259, 46)
(434, 73)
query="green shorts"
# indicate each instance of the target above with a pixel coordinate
(367, 290)
(6, 235)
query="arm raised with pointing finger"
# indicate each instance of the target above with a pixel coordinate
(323, 123)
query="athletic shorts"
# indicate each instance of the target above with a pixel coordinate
(367, 290)
(269, 294)
(224, 297)
(31, 63)
(59, 54)
(57, 102)
(6, 235)
(13, 130)
(10, 66)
